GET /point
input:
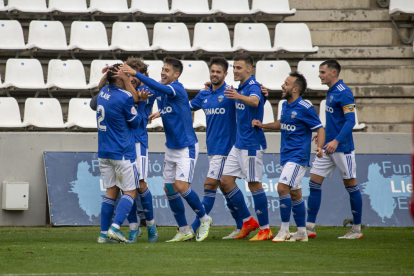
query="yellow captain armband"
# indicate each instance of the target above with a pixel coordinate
(350, 108)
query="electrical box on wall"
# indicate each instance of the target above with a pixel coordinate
(15, 196)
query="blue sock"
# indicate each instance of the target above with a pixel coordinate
(237, 200)
(234, 214)
(285, 207)
(299, 212)
(107, 211)
(356, 203)
(123, 209)
(192, 199)
(146, 201)
(177, 207)
(133, 217)
(208, 203)
(314, 200)
(260, 205)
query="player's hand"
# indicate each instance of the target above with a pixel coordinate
(153, 116)
(331, 147)
(257, 123)
(232, 94)
(265, 92)
(207, 85)
(143, 95)
(121, 75)
(319, 152)
(128, 70)
(105, 69)
(315, 138)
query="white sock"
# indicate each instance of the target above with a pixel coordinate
(150, 222)
(104, 232)
(247, 219)
(285, 226)
(264, 227)
(302, 230)
(310, 225)
(183, 229)
(133, 226)
(356, 227)
(116, 226)
(206, 218)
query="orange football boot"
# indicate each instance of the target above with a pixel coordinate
(248, 227)
(263, 235)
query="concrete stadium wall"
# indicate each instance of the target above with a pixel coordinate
(22, 160)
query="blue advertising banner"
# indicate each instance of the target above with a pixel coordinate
(75, 190)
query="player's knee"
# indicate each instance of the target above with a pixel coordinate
(132, 193)
(283, 189)
(210, 185)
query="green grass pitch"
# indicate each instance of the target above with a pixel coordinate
(74, 251)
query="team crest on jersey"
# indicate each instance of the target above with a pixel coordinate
(242, 92)
(220, 98)
(293, 115)
(330, 99)
(133, 110)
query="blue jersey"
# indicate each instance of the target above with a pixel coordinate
(220, 117)
(248, 137)
(141, 134)
(297, 122)
(117, 117)
(340, 116)
(176, 117)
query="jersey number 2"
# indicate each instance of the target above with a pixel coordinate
(101, 117)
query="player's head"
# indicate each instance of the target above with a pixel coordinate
(218, 70)
(294, 86)
(329, 72)
(242, 67)
(171, 70)
(138, 65)
(111, 78)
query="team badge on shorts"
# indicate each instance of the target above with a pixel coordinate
(293, 115)
(133, 110)
(220, 98)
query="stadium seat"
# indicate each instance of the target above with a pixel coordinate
(154, 69)
(190, 7)
(43, 113)
(401, 6)
(130, 36)
(96, 71)
(2, 7)
(358, 126)
(89, 36)
(10, 113)
(109, 6)
(272, 73)
(47, 35)
(29, 6)
(66, 75)
(157, 122)
(322, 116)
(231, 7)
(72, 6)
(293, 37)
(153, 7)
(80, 114)
(11, 34)
(268, 116)
(199, 119)
(212, 37)
(279, 108)
(230, 75)
(195, 74)
(310, 69)
(252, 37)
(26, 74)
(274, 7)
(171, 37)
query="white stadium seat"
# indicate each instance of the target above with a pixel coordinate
(108, 6)
(129, 36)
(310, 69)
(195, 74)
(171, 37)
(230, 75)
(157, 122)
(80, 114)
(252, 37)
(152, 7)
(24, 74)
(87, 35)
(280, 7)
(43, 113)
(64, 6)
(47, 35)
(279, 108)
(2, 7)
(96, 71)
(401, 6)
(272, 73)
(11, 34)
(199, 119)
(192, 7)
(322, 116)
(293, 37)
(212, 37)
(231, 7)
(154, 69)
(10, 113)
(268, 115)
(66, 75)
(33, 6)
(358, 125)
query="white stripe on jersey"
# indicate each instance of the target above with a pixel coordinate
(341, 87)
(126, 92)
(251, 82)
(305, 104)
(173, 90)
(317, 126)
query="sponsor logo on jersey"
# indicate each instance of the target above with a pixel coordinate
(288, 127)
(240, 106)
(350, 108)
(329, 109)
(214, 111)
(205, 101)
(330, 99)
(165, 110)
(133, 110)
(293, 115)
(220, 98)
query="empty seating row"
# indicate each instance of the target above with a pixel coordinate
(47, 113)
(167, 37)
(158, 7)
(70, 74)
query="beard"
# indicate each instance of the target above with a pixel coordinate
(287, 95)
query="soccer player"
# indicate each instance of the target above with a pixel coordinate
(245, 159)
(182, 147)
(339, 149)
(298, 120)
(116, 117)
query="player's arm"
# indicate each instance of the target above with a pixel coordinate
(94, 102)
(265, 92)
(274, 125)
(132, 115)
(321, 141)
(128, 85)
(253, 100)
(195, 104)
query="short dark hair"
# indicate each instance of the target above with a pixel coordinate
(246, 57)
(111, 72)
(220, 61)
(332, 64)
(300, 82)
(175, 63)
(137, 64)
